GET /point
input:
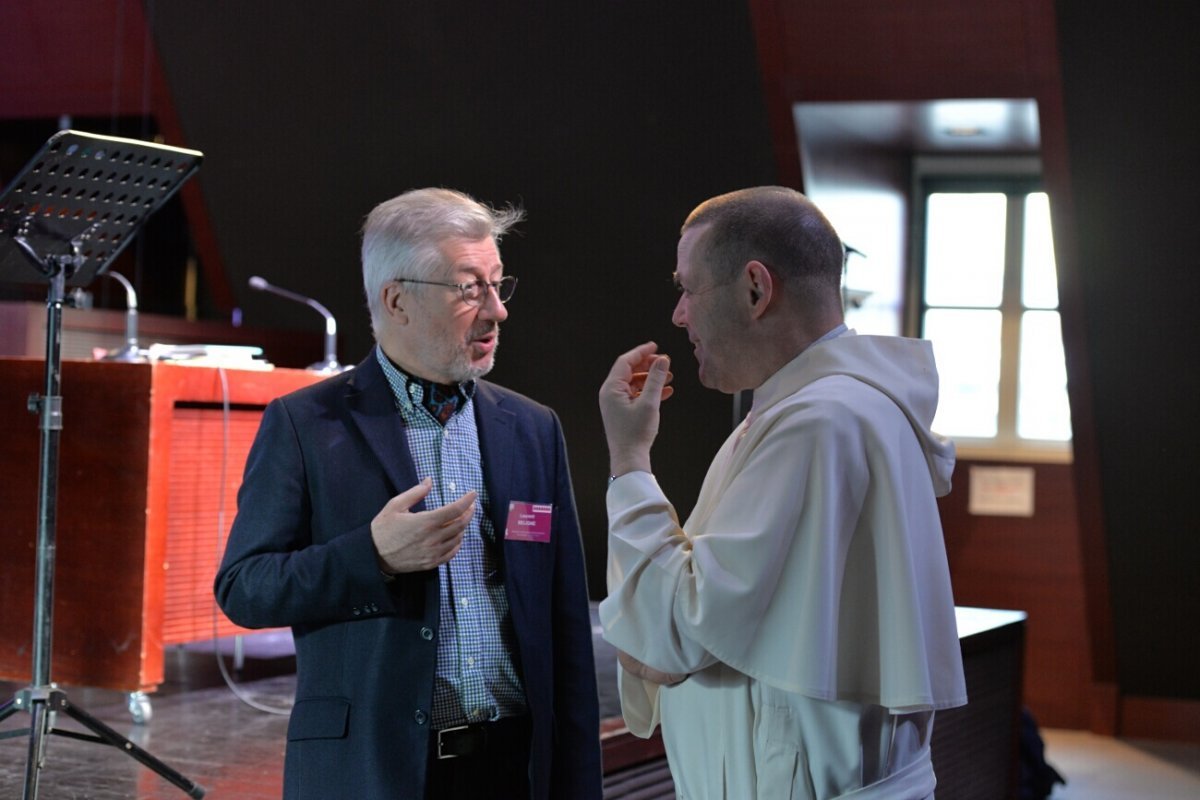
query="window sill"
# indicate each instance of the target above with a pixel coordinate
(1015, 452)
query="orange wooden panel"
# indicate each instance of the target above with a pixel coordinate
(208, 451)
(101, 517)
(190, 506)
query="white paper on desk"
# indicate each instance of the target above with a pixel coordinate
(184, 351)
(232, 356)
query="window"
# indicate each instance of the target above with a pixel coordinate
(989, 303)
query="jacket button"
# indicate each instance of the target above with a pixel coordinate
(356, 611)
(427, 634)
(420, 717)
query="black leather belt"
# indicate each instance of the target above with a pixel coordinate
(469, 740)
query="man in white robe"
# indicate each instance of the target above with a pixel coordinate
(796, 634)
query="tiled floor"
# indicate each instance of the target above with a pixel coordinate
(213, 739)
(1103, 768)
(201, 729)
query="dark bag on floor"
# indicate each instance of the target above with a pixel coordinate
(1037, 777)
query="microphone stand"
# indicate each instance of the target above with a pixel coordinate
(130, 352)
(329, 365)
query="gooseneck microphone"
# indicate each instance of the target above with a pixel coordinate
(330, 364)
(130, 352)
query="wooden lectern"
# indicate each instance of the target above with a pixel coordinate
(151, 460)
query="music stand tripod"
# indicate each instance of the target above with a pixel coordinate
(63, 221)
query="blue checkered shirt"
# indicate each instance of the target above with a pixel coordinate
(476, 679)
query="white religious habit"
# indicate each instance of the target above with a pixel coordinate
(807, 595)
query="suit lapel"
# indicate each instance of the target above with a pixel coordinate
(497, 427)
(372, 409)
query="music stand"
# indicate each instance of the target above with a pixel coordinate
(63, 220)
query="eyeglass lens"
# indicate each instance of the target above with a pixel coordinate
(476, 291)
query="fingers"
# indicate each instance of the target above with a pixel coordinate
(444, 543)
(445, 526)
(638, 383)
(439, 516)
(627, 378)
(407, 499)
(660, 367)
(657, 377)
(460, 510)
(636, 360)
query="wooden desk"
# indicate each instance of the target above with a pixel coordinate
(149, 468)
(975, 747)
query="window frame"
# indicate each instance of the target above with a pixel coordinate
(1015, 177)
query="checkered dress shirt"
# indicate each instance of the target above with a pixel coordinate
(476, 679)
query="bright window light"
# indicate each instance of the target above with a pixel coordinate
(1042, 408)
(964, 262)
(1039, 278)
(966, 345)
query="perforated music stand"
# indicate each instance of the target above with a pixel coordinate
(63, 220)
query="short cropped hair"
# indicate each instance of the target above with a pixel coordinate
(779, 227)
(402, 237)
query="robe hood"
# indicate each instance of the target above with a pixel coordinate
(903, 369)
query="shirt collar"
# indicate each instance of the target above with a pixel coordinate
(410, 390)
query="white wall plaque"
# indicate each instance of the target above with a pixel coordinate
(1001, 491)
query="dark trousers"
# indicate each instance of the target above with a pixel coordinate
(495, 766)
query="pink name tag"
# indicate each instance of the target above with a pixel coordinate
(528, 522)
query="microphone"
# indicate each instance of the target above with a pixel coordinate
(330, 364)
(130, 351)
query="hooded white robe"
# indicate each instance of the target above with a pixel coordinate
(808, 593)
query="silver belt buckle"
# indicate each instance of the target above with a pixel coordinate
(440, 755)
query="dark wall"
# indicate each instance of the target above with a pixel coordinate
(1131, 88)
(607, 122)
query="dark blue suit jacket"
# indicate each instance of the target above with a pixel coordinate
(325, 461)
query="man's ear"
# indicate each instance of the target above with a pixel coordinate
(395, 301)
(761, 286)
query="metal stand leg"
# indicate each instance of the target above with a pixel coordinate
(43, 705)
(106, 735)
(39, 727)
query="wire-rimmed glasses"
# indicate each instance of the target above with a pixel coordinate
(474, 293)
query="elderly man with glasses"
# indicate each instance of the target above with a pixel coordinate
(415, 525)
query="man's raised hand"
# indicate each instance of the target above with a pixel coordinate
(629, 405)
(411, 541)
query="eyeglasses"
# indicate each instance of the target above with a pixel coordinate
(475, 292)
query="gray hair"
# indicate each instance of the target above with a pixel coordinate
(779, 227)
(402, 237)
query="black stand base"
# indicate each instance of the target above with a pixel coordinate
(42, 703)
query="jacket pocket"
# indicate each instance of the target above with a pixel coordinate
(319, 718)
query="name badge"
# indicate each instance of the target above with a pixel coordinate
(528, 522)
